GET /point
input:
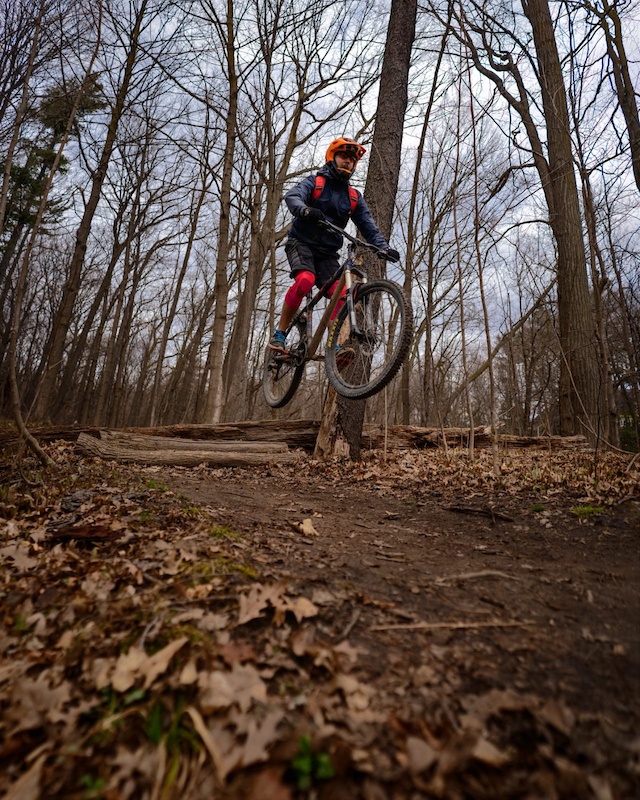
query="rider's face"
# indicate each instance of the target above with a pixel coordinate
(344, 161)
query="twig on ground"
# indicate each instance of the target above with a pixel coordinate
(484, 573)
(351, 625)
(485, 512)
(434, 626)
(632, 462)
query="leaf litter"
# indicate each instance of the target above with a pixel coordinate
(163, 639)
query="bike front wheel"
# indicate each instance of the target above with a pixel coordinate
(361, 361)
(283, 371)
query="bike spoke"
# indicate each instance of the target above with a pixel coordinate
(361, 360)
(283, 370)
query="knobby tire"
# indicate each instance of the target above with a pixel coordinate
(360, 366)
(282, 373)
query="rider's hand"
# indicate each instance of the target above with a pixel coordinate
(389, 254)
(314, 214)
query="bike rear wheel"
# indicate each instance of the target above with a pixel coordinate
(283, 371)
(361, 363)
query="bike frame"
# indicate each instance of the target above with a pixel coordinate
(345, 276)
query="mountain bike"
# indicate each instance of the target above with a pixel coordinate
(368, 339)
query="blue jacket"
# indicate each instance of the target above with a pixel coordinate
(334, 202)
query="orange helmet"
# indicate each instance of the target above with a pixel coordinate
(344, 144)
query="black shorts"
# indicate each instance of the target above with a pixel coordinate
(302, 257)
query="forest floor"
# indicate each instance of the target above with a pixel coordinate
(405, 627)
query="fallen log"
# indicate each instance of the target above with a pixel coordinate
(413, 437)
(134, 441)
(112, 449)
(303, 434)
(295, 433)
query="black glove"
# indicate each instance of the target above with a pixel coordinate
(314, 214)
(389, 254)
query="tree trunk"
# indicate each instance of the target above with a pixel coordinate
(622, 78)
(384, 164)
(411, 228)
(215, 362)
(579, 379)
(53, 353)
(171, 315)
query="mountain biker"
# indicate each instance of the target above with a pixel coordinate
(311, 249)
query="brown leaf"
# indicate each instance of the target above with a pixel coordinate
(421, 755)
(305, 527)
(265, 785)
(38, 702)
(237, 653)
(488, 753)
(158, 663)
(558, 715)
(127, 667)
(260, 737)
(243, 685)
(189, 674)
(135, 663)
(252, 604)
(208, 741)
(19, 553)
(27, 787)
(302, 608)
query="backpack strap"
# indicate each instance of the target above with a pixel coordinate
(319, 186)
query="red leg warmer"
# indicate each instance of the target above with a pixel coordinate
(303, 283)
(340, 301)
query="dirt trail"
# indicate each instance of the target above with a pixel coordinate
(416, 626)
(485, 600)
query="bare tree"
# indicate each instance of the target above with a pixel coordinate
(580, 410)
(384, 169)
(132, 30)
(290, 102)
(608, 19)
(74, 105)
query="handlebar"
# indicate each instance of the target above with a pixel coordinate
(357, 242)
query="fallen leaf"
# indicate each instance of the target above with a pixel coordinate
(232, 652)
(208, 741)
(38, 701)
(421, 755)
(189, 674)
(302, 608)
(252, 604)
(65, 641)
(217, 692)
(243, 685)
(214, 622)
(27, 787)
(558, 715)
(306, 527)
(19, 553)
(260, 737)
(357, 695)
(488, 753)
(136, 663)
(126, 670)
(158, 662)
(268, 785)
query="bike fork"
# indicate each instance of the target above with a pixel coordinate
(351, 305)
